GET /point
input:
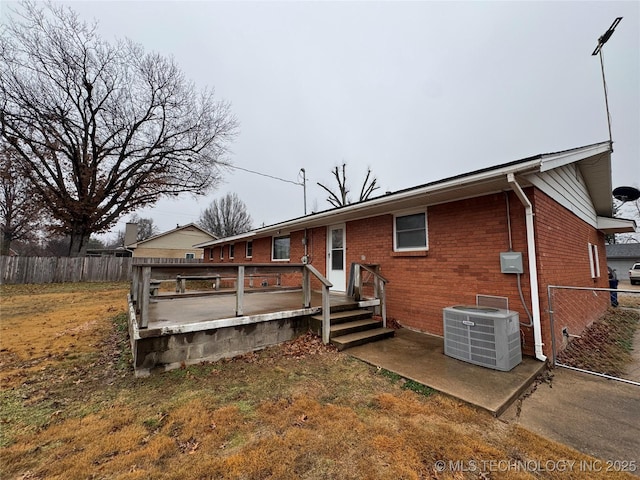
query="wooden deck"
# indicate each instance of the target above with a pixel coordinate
(170, 313)
(189, 329)
(169, 330)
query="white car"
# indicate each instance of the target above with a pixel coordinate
(634, 274)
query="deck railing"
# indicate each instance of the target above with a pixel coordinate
(379, 287)
(142, 275)
(307, 271)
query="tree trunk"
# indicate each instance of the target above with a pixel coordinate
(79, 242)
(5, 245)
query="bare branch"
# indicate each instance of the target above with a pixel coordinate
(102, 129)
(19, 215)
(226, 217)
(341, 198)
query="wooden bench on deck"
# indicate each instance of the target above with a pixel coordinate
(181, 280)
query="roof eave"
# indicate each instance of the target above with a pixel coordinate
(235, 238)
(481, 182)
(431, 194)
(610, 225)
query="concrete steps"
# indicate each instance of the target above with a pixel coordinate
(354, 327)
(351, 327)
(341, 316)
(354, 339)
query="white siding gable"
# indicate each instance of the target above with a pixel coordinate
(567, 187)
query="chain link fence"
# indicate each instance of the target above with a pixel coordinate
(597, 330)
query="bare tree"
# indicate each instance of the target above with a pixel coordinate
(226, 217)
(146, 229)
(20, 218)
(102, 129)
(341, 198)
(629, 210)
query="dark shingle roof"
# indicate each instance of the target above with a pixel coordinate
(623, 250)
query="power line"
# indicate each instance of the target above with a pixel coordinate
(263, 174)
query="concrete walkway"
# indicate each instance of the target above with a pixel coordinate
(421, 358)
(596, 416)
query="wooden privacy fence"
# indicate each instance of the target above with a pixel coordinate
(20, 270)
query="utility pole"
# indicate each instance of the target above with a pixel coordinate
(304, 188)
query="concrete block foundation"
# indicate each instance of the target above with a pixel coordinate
(167, 349)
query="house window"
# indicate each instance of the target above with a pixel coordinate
(221, 252)
(410, 232)
(190, 256)
(249, 250)
(211, 254)
(594, 263)
(232, 251)
(280, 250)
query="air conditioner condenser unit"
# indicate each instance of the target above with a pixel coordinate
(485, 336)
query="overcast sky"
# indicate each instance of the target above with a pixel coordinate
(417, 91)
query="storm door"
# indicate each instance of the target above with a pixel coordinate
(336, 261)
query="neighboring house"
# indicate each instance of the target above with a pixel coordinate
(176, 243)
(439, 244)
(621, 257)
(108, 252)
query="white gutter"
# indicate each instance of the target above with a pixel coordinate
(225, 240)
(533, 269)
(328, 217)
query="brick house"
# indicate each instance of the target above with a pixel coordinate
(439, 244)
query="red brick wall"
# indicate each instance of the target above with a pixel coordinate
(465, 241)
(563, 259)
(261, 253)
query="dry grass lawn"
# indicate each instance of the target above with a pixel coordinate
(71, 409)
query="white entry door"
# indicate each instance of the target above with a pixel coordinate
(336, 261)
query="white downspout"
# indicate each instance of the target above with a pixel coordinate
(533, 269)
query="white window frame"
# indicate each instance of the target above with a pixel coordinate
(232, 251)
(221, 252)
(594, 261)
(273, 243)
(246, 249)
(395, 232)
(190, 255)
(211, 253)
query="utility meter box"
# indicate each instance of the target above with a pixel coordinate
(511, 262)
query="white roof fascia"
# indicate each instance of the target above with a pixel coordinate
(616, 225)
(240, 236)
(546, 161)
(392, 198)
(555, 160)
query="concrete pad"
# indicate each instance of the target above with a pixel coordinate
(420, 357)
(596, 416)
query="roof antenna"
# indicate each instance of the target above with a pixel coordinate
(598, 50)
